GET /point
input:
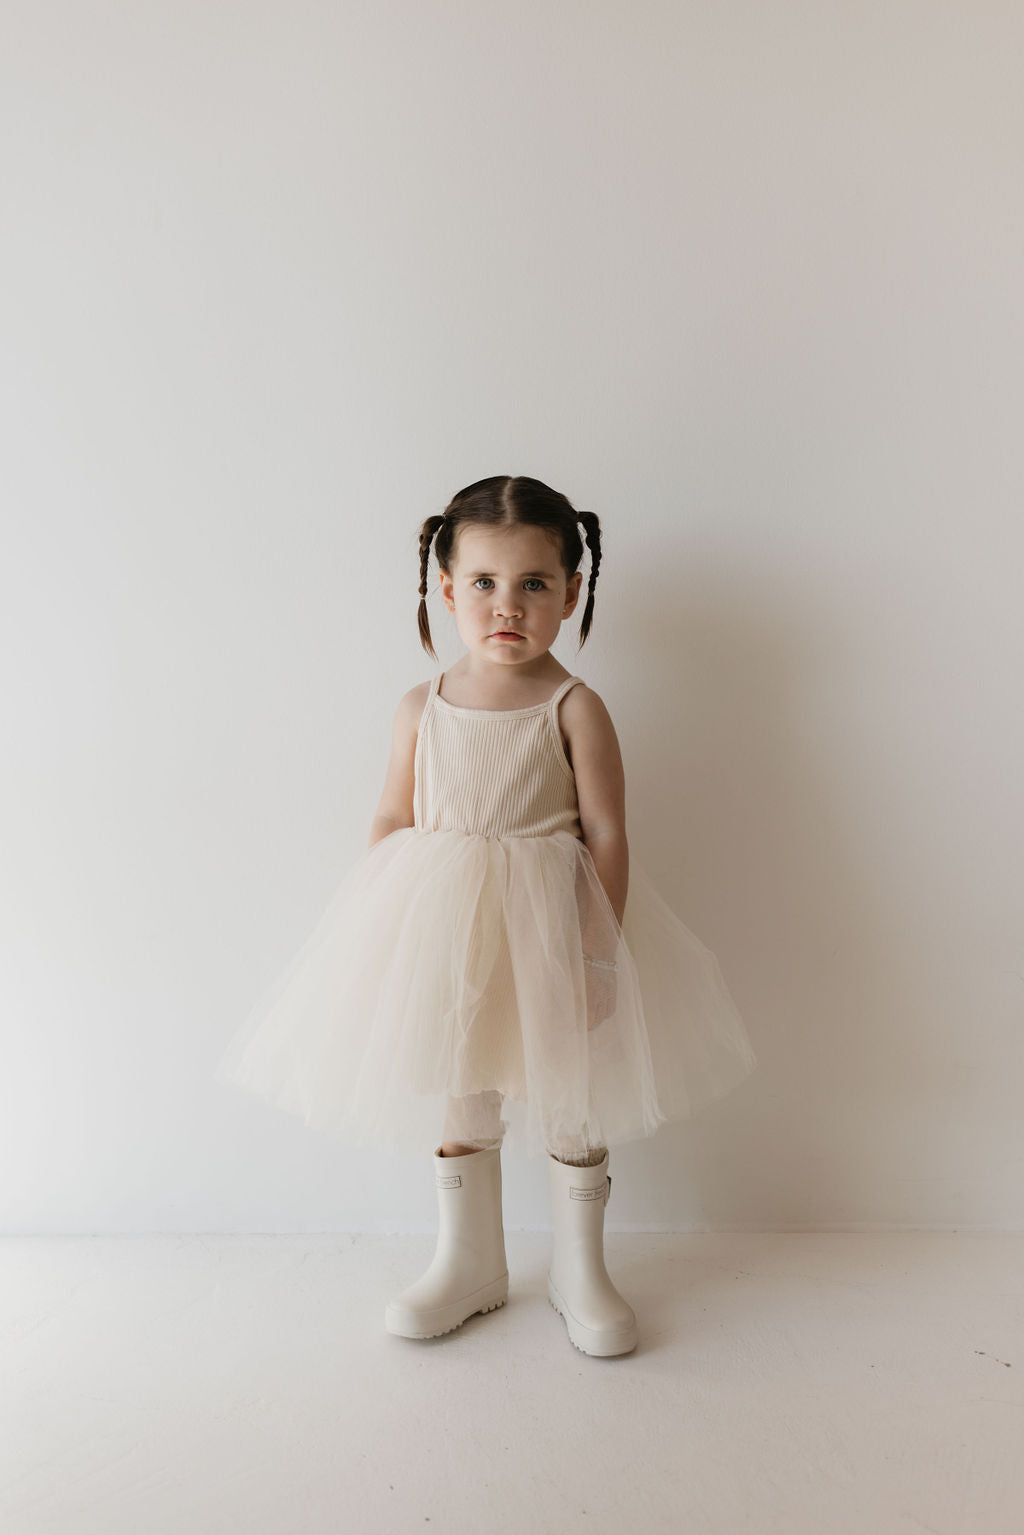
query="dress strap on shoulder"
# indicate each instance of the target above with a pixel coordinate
(435, 683)
(556, 699)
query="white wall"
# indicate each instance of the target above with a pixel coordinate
(744, 279)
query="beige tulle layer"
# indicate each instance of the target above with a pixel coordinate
(451, 968)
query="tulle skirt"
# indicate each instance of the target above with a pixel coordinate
(452, 973)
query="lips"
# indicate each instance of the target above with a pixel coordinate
(499, 632)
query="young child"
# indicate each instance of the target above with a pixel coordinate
(482, 954)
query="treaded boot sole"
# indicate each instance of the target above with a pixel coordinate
(406, 1322)
(589, 1340)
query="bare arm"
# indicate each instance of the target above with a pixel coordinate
(600, 788)
(395, 809)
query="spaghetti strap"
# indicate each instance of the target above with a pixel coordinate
(557, 697)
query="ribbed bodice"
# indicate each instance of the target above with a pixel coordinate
(494, 772)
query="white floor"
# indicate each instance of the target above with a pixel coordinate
(245, 1384)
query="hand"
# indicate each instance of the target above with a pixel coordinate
(601, 976)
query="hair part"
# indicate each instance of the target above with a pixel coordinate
(506, 501)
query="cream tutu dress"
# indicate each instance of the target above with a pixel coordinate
(474, 958)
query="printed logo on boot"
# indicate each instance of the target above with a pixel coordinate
(449, 1181)
(575, 1193)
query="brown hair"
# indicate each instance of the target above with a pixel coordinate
(503, 501)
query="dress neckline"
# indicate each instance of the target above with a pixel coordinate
(499, 713)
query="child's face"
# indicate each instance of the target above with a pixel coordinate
(508, 578)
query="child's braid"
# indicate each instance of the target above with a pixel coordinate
(592, 532)
(427, 532)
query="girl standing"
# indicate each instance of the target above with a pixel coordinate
(480, 967)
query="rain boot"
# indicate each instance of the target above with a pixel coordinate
(598, 1319)
(469, 1270)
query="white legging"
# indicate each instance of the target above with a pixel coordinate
(476, 1121)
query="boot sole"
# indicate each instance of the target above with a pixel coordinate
(445, 1319)
(588, 1339)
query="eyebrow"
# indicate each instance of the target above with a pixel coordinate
(547, 574)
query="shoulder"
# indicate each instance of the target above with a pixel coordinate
(416, 697)
(586, 724)
(413, 702)
(410, 709)
(582, 706)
